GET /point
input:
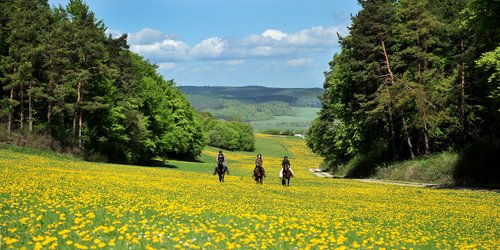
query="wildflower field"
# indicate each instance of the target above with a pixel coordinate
(54, 202)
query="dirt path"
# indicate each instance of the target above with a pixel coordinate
(318, 172)
(401, 183)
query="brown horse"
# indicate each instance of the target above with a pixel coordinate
(287, 173)
(259, 174)
(221, 171)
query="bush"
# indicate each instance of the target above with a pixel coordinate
(437, 168)
(230, 135)
(283, 131)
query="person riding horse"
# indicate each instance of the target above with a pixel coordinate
(259, 172)
(221, 163)
(286, 171)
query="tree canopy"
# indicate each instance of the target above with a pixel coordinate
(413, 78)
(65, 80)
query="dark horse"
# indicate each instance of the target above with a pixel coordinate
(259, 174)
(287, 173)
(221, 171)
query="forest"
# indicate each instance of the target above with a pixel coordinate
(68, 86)
(415, 78)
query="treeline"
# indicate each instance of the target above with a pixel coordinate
(296, 97)
(230, 109)
(415, 77)
(231, 135)
(63, 79)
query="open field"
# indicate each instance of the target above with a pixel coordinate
(49, 201)
(300, 121)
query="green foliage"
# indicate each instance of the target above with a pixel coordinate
(289, 132)
(491, 62)
(85, 91)
(413, 78)
(231, 135)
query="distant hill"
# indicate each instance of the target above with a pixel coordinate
(266, 108)
(296, 97)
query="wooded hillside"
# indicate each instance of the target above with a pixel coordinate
(68, 85)
(415, 78)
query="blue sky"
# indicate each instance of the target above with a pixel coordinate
(231, 42)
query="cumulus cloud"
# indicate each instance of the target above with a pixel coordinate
(160, 47)
(146, 36)
(167, 50)
(274, 34)
(317, 36)
(209, 48)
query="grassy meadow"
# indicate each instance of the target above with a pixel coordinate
(48, 201)
(300, 121)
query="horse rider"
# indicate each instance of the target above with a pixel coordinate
(283, 164)
(221, 160)
(258, 164)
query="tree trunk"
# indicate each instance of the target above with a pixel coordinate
(393, 134)
(30, 110)
(74, 122)
(80, 123)
(21, 113)
(426, 140)
(391, 120)
(424, 111)
(11, 108)
(77, 107)
(49, 122)
(408, 138)
(462, 92)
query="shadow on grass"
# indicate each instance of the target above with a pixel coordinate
(159, 164)
(478, 164)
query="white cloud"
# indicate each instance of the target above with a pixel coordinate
(166, 50)
(299, 62)
(146, 36)
(316, 36)
(160, 47)
(274, 34)
(209, 48)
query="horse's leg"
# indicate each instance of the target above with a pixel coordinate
(288, 182)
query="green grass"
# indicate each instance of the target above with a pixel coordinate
(267, 146)
(46, 202)
(437, 168)
(37, 152)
